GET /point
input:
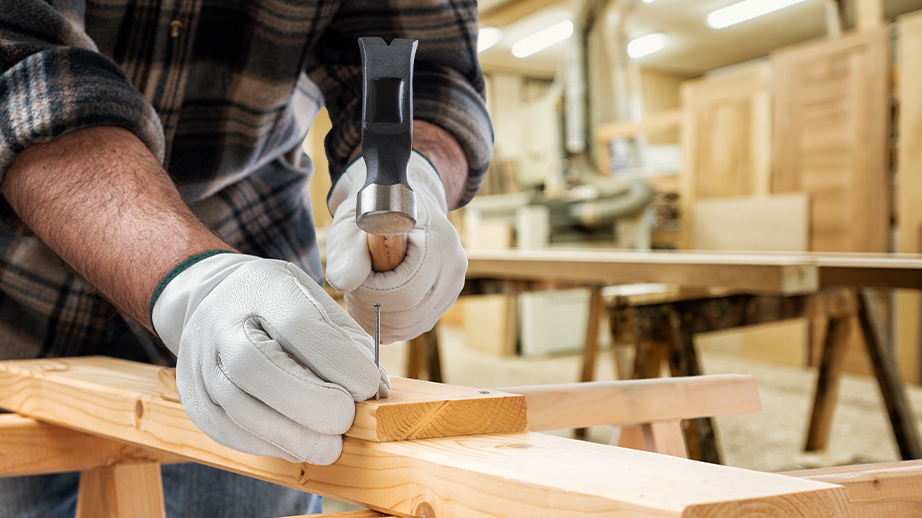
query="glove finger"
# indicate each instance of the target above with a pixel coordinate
(253, 418)
(212, 419)
(334, 311)
(348, 258)
(265, 370)
(332, 352)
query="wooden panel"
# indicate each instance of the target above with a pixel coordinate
(831, 137)
(415, 409)
(501, 475)
(746, 272)
(908, 305)
(875, 490)
(726, 139)
(767, 224)
(490, 324)
(33, 448)
(572, 405)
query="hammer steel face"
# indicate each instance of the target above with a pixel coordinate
(386, 205)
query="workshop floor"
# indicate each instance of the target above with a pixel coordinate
(770, 440)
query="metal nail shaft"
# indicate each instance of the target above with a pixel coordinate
(377, 306)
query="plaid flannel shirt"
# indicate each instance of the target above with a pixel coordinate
(224, 93)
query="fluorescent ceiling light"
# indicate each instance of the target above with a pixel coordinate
(648, 1)
(646, 45)
(488, 37)
(746, 10)
(543, 39)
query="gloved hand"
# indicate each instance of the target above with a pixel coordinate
(424, 285)
(238, 326)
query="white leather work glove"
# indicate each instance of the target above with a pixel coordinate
(238, 326)
(424, 285)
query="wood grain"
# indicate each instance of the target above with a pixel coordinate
(387, 252)
(501, 475)
(419, 409)
(831, 137)
(347, 514)
(875, 490)
(124, 490)
(33, 448)
(566, 405)
(787, 274)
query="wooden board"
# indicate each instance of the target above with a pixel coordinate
(786, 274)
(726, 138)
(415, 409)
(577, 405)
(33, 448)
(875, 490)
(831, 140)
(501, 475)
(908, 305)
(779, 223)
(870, 270)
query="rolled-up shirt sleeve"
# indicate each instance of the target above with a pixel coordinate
(448, 85)
(53, 81)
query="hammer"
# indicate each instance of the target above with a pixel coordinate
(386, 205)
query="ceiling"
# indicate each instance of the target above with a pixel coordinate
(693, 47)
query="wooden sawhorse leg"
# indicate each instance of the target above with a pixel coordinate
(878, 342)
(700, 438)
(880, 349)
(125, 490)
(424, 350)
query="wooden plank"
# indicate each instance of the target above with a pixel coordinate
(726, 138)
(745, 272)
(667, 438)
(127, 490)
(415, 409)
(33, 448)
(502, 475)
(875, 490)
(348, 514)
(566, 405)
(908, 304)
(831, 137)
(870, 270)
(779, 223)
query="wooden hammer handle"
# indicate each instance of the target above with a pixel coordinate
(387, 251)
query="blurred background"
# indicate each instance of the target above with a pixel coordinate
(765, 126)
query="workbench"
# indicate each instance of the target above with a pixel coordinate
(755, 288)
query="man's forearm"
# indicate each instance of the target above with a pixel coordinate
(441, 148)
(101, 201)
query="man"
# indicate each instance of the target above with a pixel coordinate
(153, 182)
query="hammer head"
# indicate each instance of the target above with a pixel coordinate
(386, 205)
(386, 210)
